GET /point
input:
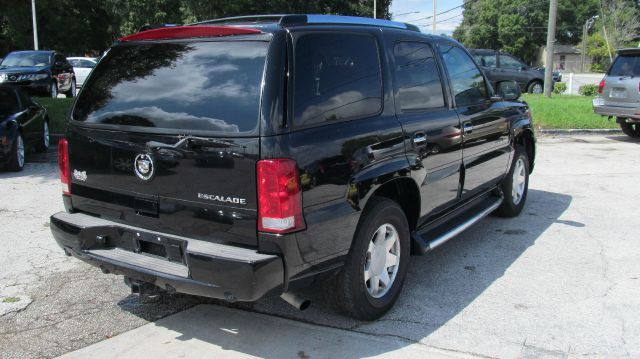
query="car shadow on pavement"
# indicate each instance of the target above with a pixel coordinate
(624, 138)
(439, 285)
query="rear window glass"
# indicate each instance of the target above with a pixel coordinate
(337, 77)
(198, 86)
(626, 65)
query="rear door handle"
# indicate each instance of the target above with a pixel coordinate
(467, 129)
(419, 139)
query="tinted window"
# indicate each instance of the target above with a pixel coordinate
(8, 101)
(626, 65)
(337, 77)
(486, 60)
(509, 62)
(26, 59)
(417, 77)
(205, 86)
(467, 82)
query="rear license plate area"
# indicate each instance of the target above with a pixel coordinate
(617, 93)
(153, 248)
(167, 248)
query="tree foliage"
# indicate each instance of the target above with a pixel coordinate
(519, 26)
(76, 26)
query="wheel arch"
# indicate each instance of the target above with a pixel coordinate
(526, 138)
(404, 191)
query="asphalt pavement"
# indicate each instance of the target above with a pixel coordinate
(561, 280)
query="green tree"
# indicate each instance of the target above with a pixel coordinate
(519, 26)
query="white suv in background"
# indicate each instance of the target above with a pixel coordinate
(620, 92)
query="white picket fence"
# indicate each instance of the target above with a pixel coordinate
(574, 81)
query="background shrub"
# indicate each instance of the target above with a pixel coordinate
(588, 90)
(559, 87)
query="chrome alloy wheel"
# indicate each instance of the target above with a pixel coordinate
(20, 151)
(46, 135)
(383, 261)
(537, 88)
(519, 181)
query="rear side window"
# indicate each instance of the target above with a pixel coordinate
(337, 77)
(211, 86)
(417, 77)
(626, 65)
(467, 82)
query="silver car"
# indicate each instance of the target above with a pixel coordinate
(82, 66)
(620, 92)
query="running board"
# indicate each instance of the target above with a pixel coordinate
(432, 236)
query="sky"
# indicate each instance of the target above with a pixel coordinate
(415, 12)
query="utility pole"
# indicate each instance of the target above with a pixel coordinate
(551, 37)
(433, 31)
(35, 25)
(374, 9)
(584, 46)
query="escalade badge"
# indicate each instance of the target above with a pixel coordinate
(143, 167)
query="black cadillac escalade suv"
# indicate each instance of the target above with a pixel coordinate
(244, 156)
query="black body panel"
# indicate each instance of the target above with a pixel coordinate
(424, 160)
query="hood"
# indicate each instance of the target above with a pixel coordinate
(23, 70)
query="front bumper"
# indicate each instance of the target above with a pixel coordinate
(32, 87)
(601, 108)
(175, 263)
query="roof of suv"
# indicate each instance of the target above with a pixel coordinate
(285, 20)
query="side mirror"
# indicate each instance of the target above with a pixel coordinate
(508, 90)
(524, 68)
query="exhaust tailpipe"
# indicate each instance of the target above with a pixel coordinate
(297, 301)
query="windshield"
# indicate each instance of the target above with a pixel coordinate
(201, 86)
(626, 65)
(26, 59)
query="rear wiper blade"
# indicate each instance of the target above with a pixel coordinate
(188, 141)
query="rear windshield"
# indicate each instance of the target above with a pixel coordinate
(195, 86)
(626, 65)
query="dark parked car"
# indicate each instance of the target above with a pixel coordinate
(23, 124)
(39, 72)
(350, 144)
(619, 92)
(499, 66)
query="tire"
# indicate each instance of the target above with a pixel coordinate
(72, 90)
(516, 185)
(18, 149)
(631, 129)
(360, 298)
(53, 89)
(44, 141)
(535, 87)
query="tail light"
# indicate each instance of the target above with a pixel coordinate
(601, 86)
(279, 196)
(63, 166)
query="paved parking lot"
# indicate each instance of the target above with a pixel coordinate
(561, 280)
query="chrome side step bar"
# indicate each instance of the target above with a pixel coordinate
(429, 238)
(468, 223)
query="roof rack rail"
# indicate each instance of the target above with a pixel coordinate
(294, 19)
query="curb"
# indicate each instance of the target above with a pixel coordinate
(578, 131)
